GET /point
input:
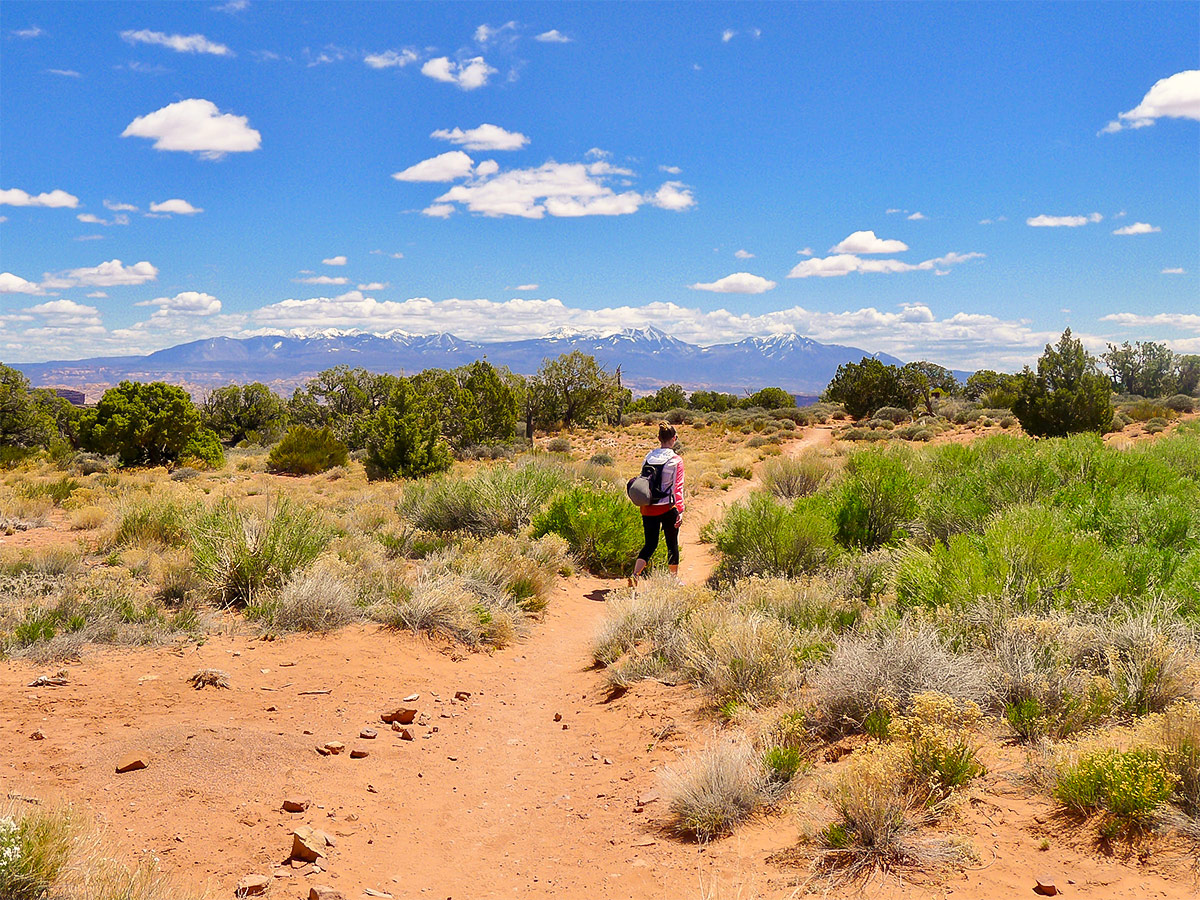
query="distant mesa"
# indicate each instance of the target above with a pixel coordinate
(648, 358)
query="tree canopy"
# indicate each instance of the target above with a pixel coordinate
(1066, 394)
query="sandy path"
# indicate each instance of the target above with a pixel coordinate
(500, 801)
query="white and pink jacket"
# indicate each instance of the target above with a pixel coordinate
(672, 477)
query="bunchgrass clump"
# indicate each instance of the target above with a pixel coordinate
(314, 600)
(765, 536)
(307, 451)
(498, 499)
(711, 791)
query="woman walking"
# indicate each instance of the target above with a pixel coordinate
(664, 467)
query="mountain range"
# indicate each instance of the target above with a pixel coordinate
(648, 359)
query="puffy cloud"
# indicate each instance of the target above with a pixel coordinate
(31, 32)
(373, 286)
(487, 167)
(1174, 97)
(743, 254)
(118, 219)
(196, 126)
(468, 75)
(67, 312)
(916, 217)
(867, 242)
(673, 195)
(323, 279)
(553, 36)
(845, 263)
(119, 207)
(737, 283)
(108, 274)
(391, 59)
(485, 34)
(335, 261)
(55, 199)
(181, 43)
(728, 35)
(1182, 321)
(1062, 221)
(176, 206)
(186, 303)
(807, 251)
(97, 294)
(560, 189)
(1138, 228)
(438, 210)
(1178, 270)
(15, 284)
(527, 287)
(448, 166)
(485, 137)
(670, 170)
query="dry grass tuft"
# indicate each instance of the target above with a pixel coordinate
(709, 792)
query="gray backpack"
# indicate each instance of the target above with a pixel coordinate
(644, 491)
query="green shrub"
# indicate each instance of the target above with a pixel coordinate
(1180, 403)
(238, 555)
(601, 459)
(877, 501)
(499, 499)
(763, 536)
(603, 529)
(1129, 786)
(782, 763)
(559, 445)
(57, 491)
(798, 477)
(203, 450)
(307, 451)
(404, 439)
(153, 521)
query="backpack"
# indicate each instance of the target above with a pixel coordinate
(646, 490)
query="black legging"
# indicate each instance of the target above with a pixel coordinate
(650, 526)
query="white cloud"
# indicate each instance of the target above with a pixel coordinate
(90, 237)
(396, 255)
(232, 6)
(391, 59)
(448, 166)
(1138, 228)
(894, 210)
(31, 32)
(15, 284)
(673, 195)
(68, 311)
(737, 283)
(487, 167)
(55, 199)
(597, 153)
(118, 219)
(743, 254)
(438, 210)
(119, 207)
(97, 294)
(1178, 270)
(560, 189)
(728, 35)
(1044, 221)
(867, 242)
(1182, 321)
(335, 261)
(485, 34)
(373, 286)
(807, 251)
(468, 75)
(485, 137)
(916, 217)
(670, 170)
(527, 287)
(108, 274)
(845, 263)
(186, 303)
(181, 43)
(65, 73)
(553, 36)
(175, 206)
(1175, 97)
(196, 126)
(323, 279)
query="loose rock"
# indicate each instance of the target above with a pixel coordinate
(323, 892)
(307, 844)
(359, 753)
(558, 717)
(132, 762)
(253, 886)
(462, 695)
(295, 804)
(335, 747)
(406, 734)
(1045, 886)
(37, 736)
(368, 734)
(403, 715)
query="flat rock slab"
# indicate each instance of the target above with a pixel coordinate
(131, 762)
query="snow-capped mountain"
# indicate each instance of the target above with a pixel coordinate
(648, 358)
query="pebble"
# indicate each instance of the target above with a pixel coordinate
(253, 886)
(368, 734)
(295, 804)
(131, 762)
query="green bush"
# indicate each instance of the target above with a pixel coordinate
(238, 555)
(1180, 403)
(1066, 394)
(404, 439)
(763, 536)
(499, 499)
(798, 477)
(1129, 786)
(203, 450)
(143, 424)
(307, 451)
(603, 529)
(877, 501)
(559, 445)
(782, 763)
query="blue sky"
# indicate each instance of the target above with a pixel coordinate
(952, 181)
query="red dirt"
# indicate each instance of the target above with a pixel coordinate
(502, 801)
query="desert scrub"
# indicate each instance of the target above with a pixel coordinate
(314, 600)
(164, 521)
(737, 655)
(884, 671)
(523, 570)
(652, 614)
(797, 477)
(237, 554)
(35, 848)
(805, 604)
(711, 791)
(1128, 786)
(764, 536)
(498, 499)
(446, 605)
(603, 529)
(307, 451)
(938, 732)
(876, 500)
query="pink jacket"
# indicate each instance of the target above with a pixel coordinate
(673, 464)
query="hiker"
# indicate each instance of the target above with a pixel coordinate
(664, 467)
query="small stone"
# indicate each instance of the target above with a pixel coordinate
(412, 698)
(295, 804)
(1045, 886)
(272, 709)
(335, 747)
(132, 762)
(558, 717)
(322, 749)
(403, 715)
(368, 734)
(253, 886)
(359, 753)
(462, 695)
(406, 734)
(565, 726)
(307, 844)
(648, 797)
(37, 736)
(323, 892)
(371, 789)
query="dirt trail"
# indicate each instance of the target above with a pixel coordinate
(501, 801)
